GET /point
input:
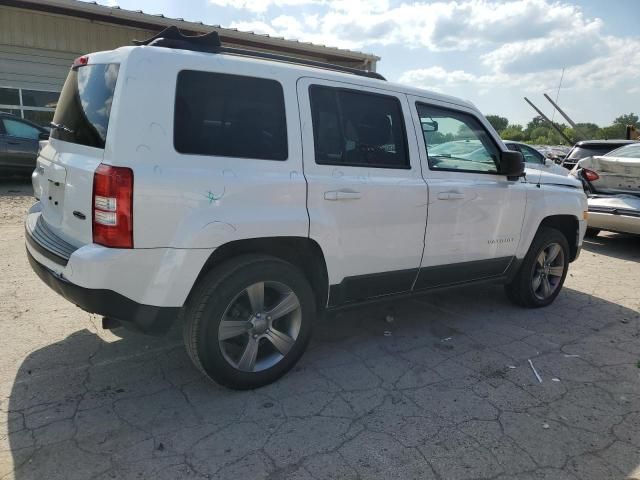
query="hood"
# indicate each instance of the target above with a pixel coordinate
(617, 174)
(546, 178)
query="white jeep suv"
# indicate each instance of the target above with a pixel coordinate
(244, 194)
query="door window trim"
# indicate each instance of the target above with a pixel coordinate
(482, 126)
(390, 95)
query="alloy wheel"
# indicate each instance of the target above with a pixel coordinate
(260, 326)
(548, 271)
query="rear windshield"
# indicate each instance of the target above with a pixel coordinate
(84, 107)
(588, 151)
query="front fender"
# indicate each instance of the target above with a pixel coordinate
(545, 201)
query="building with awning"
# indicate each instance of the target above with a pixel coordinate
(40, 39)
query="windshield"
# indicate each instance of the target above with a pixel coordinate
(84, 107)
(628, 151)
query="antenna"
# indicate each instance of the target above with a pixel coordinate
(553, 115)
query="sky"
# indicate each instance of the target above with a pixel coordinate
(491, 52)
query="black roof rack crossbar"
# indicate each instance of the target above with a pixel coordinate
(171, 37)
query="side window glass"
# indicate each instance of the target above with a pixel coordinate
(456, 141)
(20, 129)
(229, 115)
(354, 128)
(531, 156)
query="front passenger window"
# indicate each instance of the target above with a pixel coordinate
(456, 141)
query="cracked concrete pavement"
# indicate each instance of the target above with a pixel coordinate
(448, 394)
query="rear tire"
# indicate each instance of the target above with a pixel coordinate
(592, 232)
(543, 270)
(249, 321)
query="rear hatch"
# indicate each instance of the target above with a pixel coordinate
(66, 165)
(616, 175)
(579, 152)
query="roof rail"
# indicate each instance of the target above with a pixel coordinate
(172, 37)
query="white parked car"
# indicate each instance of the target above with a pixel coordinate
(612, 183)
(244, 196)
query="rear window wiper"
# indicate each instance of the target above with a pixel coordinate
(60, 126)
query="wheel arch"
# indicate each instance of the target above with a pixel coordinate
(569, 226)
(302, 252)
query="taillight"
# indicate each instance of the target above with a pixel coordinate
(113, 206)
(80, 61)
(590, 174)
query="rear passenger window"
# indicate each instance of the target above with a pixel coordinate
(355, 128)
(229, 116)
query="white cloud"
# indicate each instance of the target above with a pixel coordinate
(617, 64)
(259, 6)
(518, 45)
(559, 49)
(438, 26)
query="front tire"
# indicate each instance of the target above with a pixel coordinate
(543, 271)
(249, 321)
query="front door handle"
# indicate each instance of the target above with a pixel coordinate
(450, 196)
(342, 195)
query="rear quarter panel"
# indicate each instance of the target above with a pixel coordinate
(196, 201)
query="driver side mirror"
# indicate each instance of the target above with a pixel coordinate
(511, 164)
(43, 136)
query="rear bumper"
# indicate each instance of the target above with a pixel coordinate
(615, 213)
(144, 318)
(162, 277)
(614, 223)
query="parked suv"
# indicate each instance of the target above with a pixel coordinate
(591, 148)
(244, 196)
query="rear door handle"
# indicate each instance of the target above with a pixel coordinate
(342, 195)
(450, 196)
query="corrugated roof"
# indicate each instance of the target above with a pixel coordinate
(120, 15)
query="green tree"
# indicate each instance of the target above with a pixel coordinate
(535, 122)
(589, 131)
(464, 133)
(627, 119)
(513, 132)
(498, 122)
(615, 131)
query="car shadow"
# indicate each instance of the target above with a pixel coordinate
(131, 406)
(618, 245)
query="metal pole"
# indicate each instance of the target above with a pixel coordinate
(556, 128)
(566, 117)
